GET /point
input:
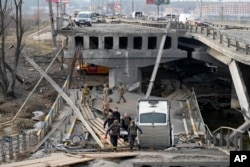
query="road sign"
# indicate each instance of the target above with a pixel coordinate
(159, 2)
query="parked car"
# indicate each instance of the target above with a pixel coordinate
(156, 18)
(198, 22)
(92, 69)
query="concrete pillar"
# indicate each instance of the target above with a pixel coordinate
(86, 42)
(115, 42)
(240, 86)
(174, 42)
(158, 43)
(128, 76)
(71, 42)
(101, 42)
(234, 100)
(130, 42)
(145, 43)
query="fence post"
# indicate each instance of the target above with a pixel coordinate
(3, 155)
(17, 146)
(227, 139)
(237, 45)
(214, 33)
(24, 142)
(240, 142)
(221, 137)
(228, 42)
(247, 48)
(221, 37)
(11, 148)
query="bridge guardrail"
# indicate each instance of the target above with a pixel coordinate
(239, 43)
(52, 113)
(221, 138)
(195, 115)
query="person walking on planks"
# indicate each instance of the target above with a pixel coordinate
(116, 114)
(105, 91)
(110, 120)
(114, 133)
(85, 95)
(132, 133)
(105, 108)
(121, 91)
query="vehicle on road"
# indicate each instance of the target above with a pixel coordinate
(92, 69)
(83, 18)
(154, 120)
(198, 22)
(184, 17)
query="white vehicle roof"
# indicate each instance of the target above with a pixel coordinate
(145, 107)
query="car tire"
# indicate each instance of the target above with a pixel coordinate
(82, 72)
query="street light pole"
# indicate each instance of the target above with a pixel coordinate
(132, 6)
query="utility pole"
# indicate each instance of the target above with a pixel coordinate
(52, 27)
(133, 3)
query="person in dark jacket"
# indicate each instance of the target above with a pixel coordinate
(116, 114)
(114, 133)
(132, 133)
(109, 121)
(125, 121)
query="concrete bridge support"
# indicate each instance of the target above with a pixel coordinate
(240, 88)
(127, 76)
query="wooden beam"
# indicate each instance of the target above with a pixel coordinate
(66, 98)
(34, 88)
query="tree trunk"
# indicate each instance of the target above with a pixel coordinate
(19, 37)
(4, 22)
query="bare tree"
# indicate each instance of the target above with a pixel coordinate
(8, 85)
(19, 46)
(4, 23)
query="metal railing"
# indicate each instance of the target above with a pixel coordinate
(210, 31)
(17, 146)
(46, 126)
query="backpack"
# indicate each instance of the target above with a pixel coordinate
(85, 91)
(132, 130)
(115, 130)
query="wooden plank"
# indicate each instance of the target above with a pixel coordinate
(112, 155)
(53, 160)
(35, 88)
(66, 98)
(49, 134)
(34, 161)
(68, 161)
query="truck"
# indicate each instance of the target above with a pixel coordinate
(155, 122)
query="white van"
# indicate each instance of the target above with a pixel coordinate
(154, 120)
(138, 14)
(83, 18)
(184, 17)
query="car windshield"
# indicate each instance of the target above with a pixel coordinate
(83, 15)
(153, 117)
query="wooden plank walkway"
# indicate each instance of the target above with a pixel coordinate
(52, 161)
(97, 125)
